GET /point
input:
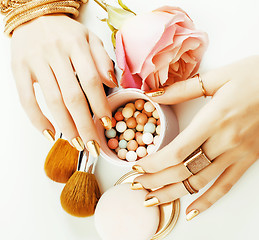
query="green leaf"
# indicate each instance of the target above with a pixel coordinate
(117, 16)
(125, 7)
(113, 38)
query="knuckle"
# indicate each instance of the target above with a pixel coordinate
(79, 40)
(18, 63)
(224, 189)
(235, 139)
(179, 175)
(179, 154)
(86, 130)
(198, 182)
(206, 203)
(74, 98)
(93, 82)
(52, 47)
(26, 101)
(54, 99)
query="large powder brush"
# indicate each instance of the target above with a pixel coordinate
(81, 193)
(61, 161)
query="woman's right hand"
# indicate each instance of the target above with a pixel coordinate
(49, 50)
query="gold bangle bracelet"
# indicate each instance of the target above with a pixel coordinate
(16, 17)
(8, 5)
(44, 10)
(28, 6)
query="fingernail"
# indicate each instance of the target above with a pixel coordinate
(138, 169)
(78, 143)
(106, 122)
(192, 214)
(155, 93)
(136, 186)
(113, 78)
(153, 201)
(49, 135)
(93, 147)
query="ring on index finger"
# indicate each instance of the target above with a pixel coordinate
(201, 84)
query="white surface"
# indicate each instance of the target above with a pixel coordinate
(29, 202)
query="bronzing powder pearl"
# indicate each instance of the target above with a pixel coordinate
(132, 129)
(121, 215)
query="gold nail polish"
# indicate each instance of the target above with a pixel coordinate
(78, 143)
(136, 186)
(113, 78)
(192, 214)
(93, 147)
(49, 135)
(152, 201)
(138, 169)
(106, 122)
(155, 93)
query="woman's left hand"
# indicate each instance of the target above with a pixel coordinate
(226, 128)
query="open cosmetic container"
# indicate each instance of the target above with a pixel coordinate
(168, 121)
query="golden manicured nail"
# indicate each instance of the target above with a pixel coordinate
(106, 122)
(49, 135)
(138, 169)
(78, 143)
(93, 147)
(136, 186)
(152, 201)
(155, 93)
(192, 214)
(113, 78)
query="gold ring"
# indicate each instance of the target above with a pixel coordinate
(189, 187)
(196, 161)
(201, 84)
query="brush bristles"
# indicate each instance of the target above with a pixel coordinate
(61, 161)
(80, 195)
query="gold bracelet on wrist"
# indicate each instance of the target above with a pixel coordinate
(37, 12)
(27, 6)
(8, 5)
(23, 10)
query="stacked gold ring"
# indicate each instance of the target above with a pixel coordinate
(189, 187)
(194, 163)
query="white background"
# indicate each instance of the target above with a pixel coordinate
(29, 202)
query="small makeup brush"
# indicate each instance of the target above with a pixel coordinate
(81, 193)
(61, 161)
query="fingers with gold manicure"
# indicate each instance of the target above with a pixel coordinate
(170, 192)
(70, 66)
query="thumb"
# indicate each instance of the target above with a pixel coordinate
(191, 88)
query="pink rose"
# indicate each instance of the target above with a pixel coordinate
(159, 48)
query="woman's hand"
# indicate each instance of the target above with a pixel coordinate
(227, 129)
(49, 50)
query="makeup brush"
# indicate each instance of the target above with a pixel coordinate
(61, 161)
(81, 193)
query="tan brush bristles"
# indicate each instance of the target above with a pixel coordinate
(61, 161)
(80, 195)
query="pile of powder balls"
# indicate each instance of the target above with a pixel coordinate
(135, 130)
